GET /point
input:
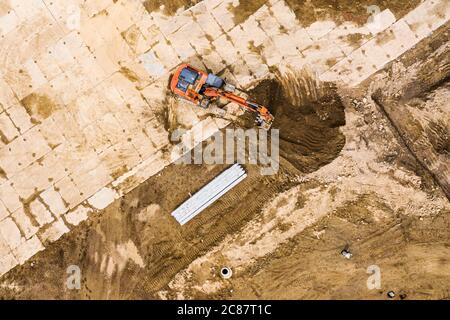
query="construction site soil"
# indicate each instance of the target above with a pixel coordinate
(349, 177)
(142, 220)
(308, 115)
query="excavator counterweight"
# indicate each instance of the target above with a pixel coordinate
(202, 88)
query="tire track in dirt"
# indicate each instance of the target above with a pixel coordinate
(225, 217)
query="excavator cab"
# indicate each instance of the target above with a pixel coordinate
(187, 78)
(202, 88)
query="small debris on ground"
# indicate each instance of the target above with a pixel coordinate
(347, 254)
(391, 294)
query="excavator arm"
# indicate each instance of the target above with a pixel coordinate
(264, 118)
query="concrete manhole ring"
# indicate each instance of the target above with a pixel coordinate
(226, 273)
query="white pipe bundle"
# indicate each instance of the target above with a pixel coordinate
(209, 193)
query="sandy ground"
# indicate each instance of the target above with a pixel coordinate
(376, 199)
(351, 176)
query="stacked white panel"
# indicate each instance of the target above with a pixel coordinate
(209, 193)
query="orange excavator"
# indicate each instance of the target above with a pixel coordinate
(202, 89)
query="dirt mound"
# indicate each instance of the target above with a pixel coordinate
(308, 115)
(439, 137)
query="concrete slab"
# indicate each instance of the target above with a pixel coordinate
(26, 9)
(123, 13)
(253, 30)
(8, 22)
(7, 97)
(24, 223)
(102, 198)
(55, 231)
(19, 80)
(11, 233)
(149, 29)
(12, 155)
(285, 45)
(108, 65)
(97, 140)
(322, 55)
(37, 77)
(284, 15)
(179, 44)
(143, 145)
(23, 184)
(56, 169)
(54, 201)
(319, 29)
(89, 181)
(396, 39)
(94, 7)
(201, 44)
(36, 145)
(8, 130)
(158, 135)
(45, 63)
(28, 249)
(114, 165)
(381, 21)
(227, 50)
(69, 192)
(436, 13)
(20, 118)
(211, 4)
(206, 21)
(3, 211)
(223, 16)
(375, 54)
(40, 213)
(256, 65)
(267, 21)
(7, 262)
(415, 20)
(9, 197)
(242, 73)
(359, 68)
(170, 24)
(118, 50)
(156, 92)
(167, 55)
(240, 40)
(300, 37)
(77, 215)
(271, 54)
(214, 62)
(349, 36)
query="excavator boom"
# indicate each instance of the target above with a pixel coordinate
(262, 111)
